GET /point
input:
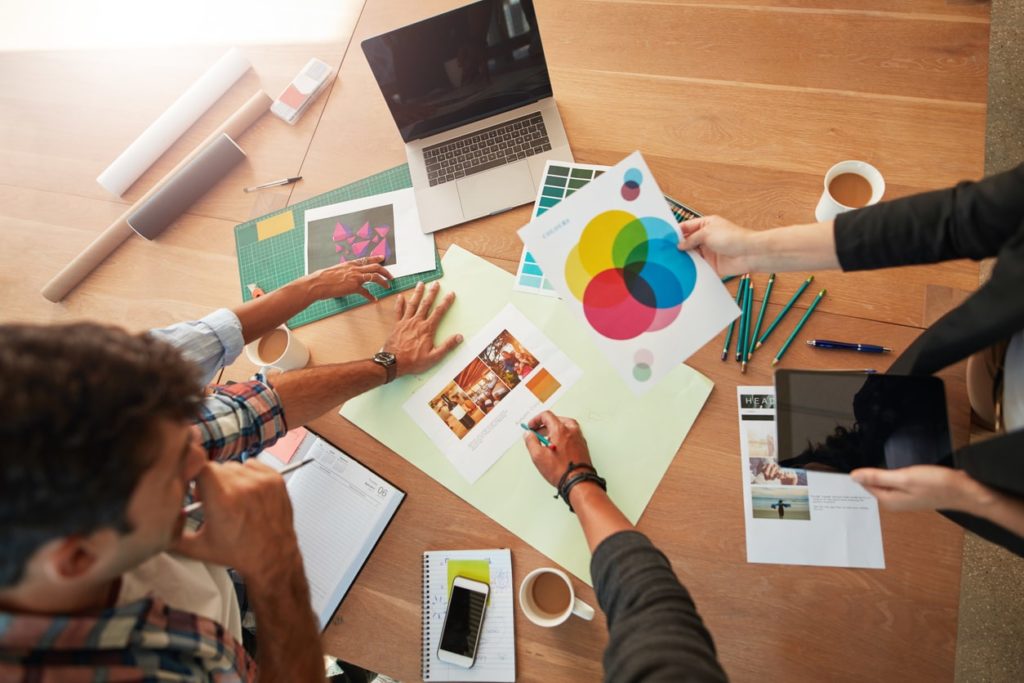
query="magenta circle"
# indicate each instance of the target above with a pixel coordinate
(630, 190)
(611, 310)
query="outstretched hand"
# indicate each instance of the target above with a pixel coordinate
(722, 243)
(923, 487)
(412, 338)
(350, 278)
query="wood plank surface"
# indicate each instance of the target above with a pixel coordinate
(739, 108)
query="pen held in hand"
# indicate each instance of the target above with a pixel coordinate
(540, 437)
(192, 507)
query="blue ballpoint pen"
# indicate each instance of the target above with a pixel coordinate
(847, 346)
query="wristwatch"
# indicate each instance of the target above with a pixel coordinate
(387, 360)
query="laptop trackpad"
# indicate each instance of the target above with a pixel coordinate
(496, 190)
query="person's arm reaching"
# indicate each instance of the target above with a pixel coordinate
(308, 394)
(655, 633)
(261, 315)
(933, 487)
(247, 512)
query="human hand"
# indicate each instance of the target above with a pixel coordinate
(723, 244)
(412, 338)
(246, 510)
(923, 487)
(568, 445)
(349, 278)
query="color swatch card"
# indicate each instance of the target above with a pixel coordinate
(472, 407)
(385, 225)
(560, 180)
(611, 253)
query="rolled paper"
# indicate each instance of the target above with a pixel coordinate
(169, 126)
(185, 187)
(117, 232)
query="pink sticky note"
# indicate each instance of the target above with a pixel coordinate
(286, 446)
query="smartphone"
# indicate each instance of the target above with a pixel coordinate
(463, 622)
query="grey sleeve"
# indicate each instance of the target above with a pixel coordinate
(654, 631)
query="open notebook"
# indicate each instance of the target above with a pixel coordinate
(341, 510)
(496, 652)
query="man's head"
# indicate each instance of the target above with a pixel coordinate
(97, 449)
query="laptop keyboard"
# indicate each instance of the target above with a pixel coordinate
(486, 149)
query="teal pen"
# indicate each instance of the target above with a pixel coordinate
(784, 311)
(792, 335)
(747, 340)
(760, 316)
(743, 319)
(732, 325)
(540, 437)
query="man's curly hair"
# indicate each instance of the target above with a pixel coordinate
(80, 404)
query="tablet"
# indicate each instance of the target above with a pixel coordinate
(839, 421)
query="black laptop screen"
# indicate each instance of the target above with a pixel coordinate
(460, 66)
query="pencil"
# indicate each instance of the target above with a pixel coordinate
(784, 311)
(760, 316)
(540, 437)
(792, 335)
(743, 318)
(192, 507)
(727, 278)
(745, 355)
(732, 325)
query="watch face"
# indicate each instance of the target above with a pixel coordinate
(384, 357)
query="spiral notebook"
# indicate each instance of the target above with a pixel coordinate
(496, 653)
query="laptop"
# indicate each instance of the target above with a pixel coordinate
(470, 93)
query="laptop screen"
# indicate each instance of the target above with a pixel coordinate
(461, 66)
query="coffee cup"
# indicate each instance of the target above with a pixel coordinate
(849, 185)
(278, 349)
(547, 598)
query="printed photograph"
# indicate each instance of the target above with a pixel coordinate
(767, 471)
(349, 236)
(482, 385)
(780, 502)
(509, 359)
(760, 438)
(457, 410)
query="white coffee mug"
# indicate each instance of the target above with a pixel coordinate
(294, 356)
(542, 617)
(829, 208)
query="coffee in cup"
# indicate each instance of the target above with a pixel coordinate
(547, 598)
(278, 349)
(849, 185)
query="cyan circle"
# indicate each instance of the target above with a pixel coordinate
(633, 175)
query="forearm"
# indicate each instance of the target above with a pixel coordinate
(1000, 508)
(307, 394)
(263, 314)
(796, 247)
(289, 635)
(598, 515)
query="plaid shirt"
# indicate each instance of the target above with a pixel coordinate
(146, 640)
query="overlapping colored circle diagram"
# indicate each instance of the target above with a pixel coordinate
(628, 273)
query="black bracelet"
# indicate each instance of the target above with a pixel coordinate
(583, 476)
(572, 466)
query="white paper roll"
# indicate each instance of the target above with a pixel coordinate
(163, 132)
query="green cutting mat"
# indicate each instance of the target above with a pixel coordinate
(276, 260)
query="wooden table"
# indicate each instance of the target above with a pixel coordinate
(738, 108)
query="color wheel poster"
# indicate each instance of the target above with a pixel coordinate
(385, 225)
(610, 250)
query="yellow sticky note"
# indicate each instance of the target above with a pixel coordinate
(275, 226)
(477, 570)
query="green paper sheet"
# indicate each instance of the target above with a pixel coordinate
(477, 570)
(632, 439)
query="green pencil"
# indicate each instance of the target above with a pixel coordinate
(750, 327)
(760, 315)
(742, 336)
(728, 336)
(727, 278)
(783, 312)
(792, 335)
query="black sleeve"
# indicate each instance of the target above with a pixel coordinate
(654, 631)
(972, 220)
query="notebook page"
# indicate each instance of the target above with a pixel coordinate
(496, 653)
(340, 509)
